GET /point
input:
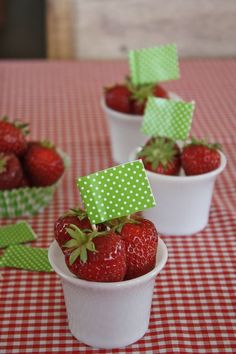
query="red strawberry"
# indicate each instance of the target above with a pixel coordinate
(43, 164)
(161, 155)
(10, 171)
(12, 137)
(96, 256)
(141, 93)
(141, 239)
(77, 217)
(24, 182)
(118, 98)
(199, 157)
(159, 91)
(138, 107)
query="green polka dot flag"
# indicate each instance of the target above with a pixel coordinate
(115, 192)
(29, 258)
(153, 65)
(168, 118)
(16, 233)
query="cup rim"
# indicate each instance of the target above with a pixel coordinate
(161, 251)
(131, 117)
(184, 179)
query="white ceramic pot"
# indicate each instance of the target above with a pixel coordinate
(107, 315)
(182, 202)
(125, 132)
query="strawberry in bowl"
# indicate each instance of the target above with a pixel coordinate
(127, 244)
(199, 157)
(12, 137)
(43, 164)
(29, 171)
(108, 278)
(129, 99)
(161, 155)
(11, 172)
(182, 177)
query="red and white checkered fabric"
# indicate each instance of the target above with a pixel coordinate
(194, 300)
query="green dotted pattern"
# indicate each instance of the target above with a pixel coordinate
(16, 233)
(29, 258)
(153, 65)
(115, 192)
(168, 118)
(25, 201)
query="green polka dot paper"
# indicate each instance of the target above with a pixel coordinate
(25, 201)
(115, 192)
(168, 118)
(16, 233)
(29, 258)
(153, 65)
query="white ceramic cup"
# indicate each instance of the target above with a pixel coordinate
(125, 132)
(182, 202)
(107, 315)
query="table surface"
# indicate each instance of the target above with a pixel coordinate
(193, 307)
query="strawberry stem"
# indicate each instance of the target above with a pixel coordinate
(204, 142)
(94, 227)
(117, 224)
(159, 151)
(24, 127)
(79, 212)
(81, 242)
(139, 92)
(47, 144)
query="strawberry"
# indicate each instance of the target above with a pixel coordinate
(24, 182)
(43, 164)
(140, 95)
(161, 155)
(159, 91)
(141, 239)
(77, 217)
(117, 97)
(12, 137)
(131, 99)
(138, 106)
(10, 171)
(95, 256)
(200, 157)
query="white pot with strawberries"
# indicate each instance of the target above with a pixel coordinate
(108, 257)
(124, 105)
(108, 284)
(108, 273)
(182, 181)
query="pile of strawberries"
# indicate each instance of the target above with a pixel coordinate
(162, 155)
(130, 99)
(116, 250)
(23, 163)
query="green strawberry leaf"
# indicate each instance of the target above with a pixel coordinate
(74, 255)
(91, 246)
(71, 243)
(83, 254)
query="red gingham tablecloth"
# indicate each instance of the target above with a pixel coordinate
(193, 307)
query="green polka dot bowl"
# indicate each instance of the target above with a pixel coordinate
(28, 201)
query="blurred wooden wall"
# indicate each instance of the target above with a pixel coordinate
(108, 28)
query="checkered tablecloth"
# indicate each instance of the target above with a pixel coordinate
(194, 300)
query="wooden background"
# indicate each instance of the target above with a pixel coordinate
(109, 28)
